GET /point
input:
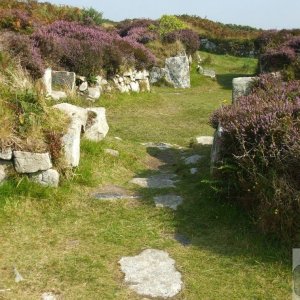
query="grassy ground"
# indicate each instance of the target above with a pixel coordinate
(64, 241)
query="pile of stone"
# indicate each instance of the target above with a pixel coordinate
(176, 72)
(132, 81)
(38, 166)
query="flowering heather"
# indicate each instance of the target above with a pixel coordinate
(88, 49)
(142, 35)
(126, 26)
(261, 140)
(29, 54)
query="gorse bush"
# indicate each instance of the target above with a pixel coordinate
(261, 154)
(169, 23)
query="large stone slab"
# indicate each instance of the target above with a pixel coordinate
(29, 162)
(47, 81)
(241, 87)
(191, 160)
(64, 80)
(114, 192)
(97, 127)
(171, 201)
(46, 178)
(203, 140)
(155, 182)
(178, 71)
(152, 273)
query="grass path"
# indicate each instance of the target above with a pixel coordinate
(66, 242)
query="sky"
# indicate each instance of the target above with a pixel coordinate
(266, 14)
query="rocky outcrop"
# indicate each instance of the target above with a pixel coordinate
(29, 162)
(176, 72)
(241, 87)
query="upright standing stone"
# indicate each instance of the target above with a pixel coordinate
(241, 87)
(179, 71)
(47, 80)
(216, 149)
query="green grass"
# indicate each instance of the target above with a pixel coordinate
(62, 240)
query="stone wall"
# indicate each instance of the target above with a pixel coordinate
(38, 167)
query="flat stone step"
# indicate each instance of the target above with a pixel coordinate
(114, 192)
(155, 182)
(152, 273)
(171, 201)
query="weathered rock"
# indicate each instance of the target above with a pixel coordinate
(152, 273)
(94, 93)
(57, 95)
(203, 140)
(18, 276)
(171, 201)
(47, 178)
(6, 153)
(194, 171)
(142, 75)
(112, 152)
(144, 85)
(83, 86)
(113, 192)
(216, 149)
(63, 79)
(209, 73)
(135, 87)
(192, 159)
(97, 127)
(155, 182)
(157, 74)
(76, 113)
(4, 169)
(241, 87)
(47, 81)
(71, 140)
(208, 45)
(48, 296)
(29, 162)
(178, 71)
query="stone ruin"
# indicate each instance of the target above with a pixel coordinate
(88, 123)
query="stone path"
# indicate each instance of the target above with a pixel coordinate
(160, 181)
(152, 273)
(171, 201)
(114, 192)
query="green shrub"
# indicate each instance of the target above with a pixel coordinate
(168, 23)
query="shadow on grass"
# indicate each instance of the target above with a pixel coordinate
(225, 80)
(209, 222)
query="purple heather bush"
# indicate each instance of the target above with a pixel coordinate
(29, 54)
(126, 26)
(142, 35)
(261, 154)
(88, 49)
